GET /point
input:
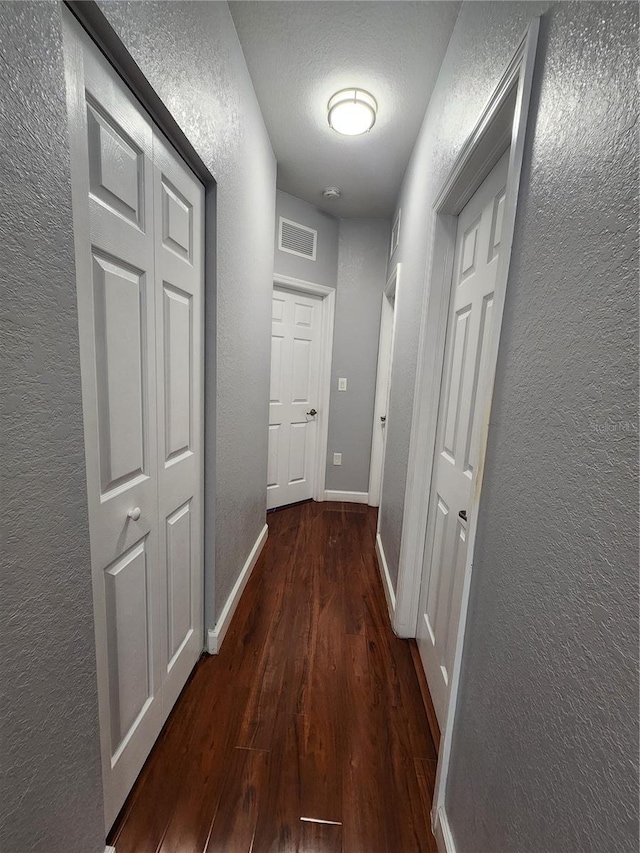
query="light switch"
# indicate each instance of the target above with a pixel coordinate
(342, 384)
(337, 458)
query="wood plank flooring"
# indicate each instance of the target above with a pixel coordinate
(307, 733)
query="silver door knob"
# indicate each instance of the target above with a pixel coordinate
(313, 413)
(134, 514)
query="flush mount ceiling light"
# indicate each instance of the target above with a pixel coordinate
(352, 111)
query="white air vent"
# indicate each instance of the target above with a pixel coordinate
(297, 239)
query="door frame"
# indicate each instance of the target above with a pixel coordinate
(503, 122)
(383, 389)
(328, 306)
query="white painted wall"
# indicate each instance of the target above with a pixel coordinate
(546, 739)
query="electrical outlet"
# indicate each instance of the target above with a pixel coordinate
(337, 458)
(342, 384)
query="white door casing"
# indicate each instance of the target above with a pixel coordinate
(139, 268)
(383, 387)
(294, 394)
(461, 409)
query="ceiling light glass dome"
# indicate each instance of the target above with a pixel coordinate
(352, 112)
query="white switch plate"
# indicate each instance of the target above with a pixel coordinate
(337, 458)
(342, 384)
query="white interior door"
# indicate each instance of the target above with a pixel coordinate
(138, 221)
(383, 388)
(462, 404)
(295, 376)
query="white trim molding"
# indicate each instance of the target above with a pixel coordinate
(328, 296)
(108, 849)
(215, 636)
(389, 593)
(347, 497)
(442, 832)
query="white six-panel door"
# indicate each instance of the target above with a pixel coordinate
(295, 376)
(462, 400)
(138, 220)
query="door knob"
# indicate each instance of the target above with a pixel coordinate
(134, 514)
(463, 514)
(313, 413)
(383, 418)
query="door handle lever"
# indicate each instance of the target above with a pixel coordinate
(313, 413)
(463, 514)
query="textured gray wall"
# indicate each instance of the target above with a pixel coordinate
(50, 789)
(545, 741)
(362, 260)
(190, 54)
(553, 626)
(324, 269)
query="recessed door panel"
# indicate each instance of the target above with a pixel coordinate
(178, 379)
(179, 570)
(455, 381)
(177, 221)
(301, 371)
(115, 165)
(302, 315)
(277, 344)
(128, 611)
(439, 539)
(119, 294)
(274, 448)
(297, 452)
(477, 393)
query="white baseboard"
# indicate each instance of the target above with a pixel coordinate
(108, 849)
(389, 594)
(216, 635)
(444, 839)
(347, 497)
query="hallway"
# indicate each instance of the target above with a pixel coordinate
(311, 710)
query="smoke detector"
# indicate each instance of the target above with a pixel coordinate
(331, 192)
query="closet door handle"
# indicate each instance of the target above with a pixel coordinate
(134, 514)
(463, 514)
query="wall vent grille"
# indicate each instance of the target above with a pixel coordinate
(297, 239)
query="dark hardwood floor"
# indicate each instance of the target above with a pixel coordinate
(307, 732)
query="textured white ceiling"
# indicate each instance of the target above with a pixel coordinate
(300, 52)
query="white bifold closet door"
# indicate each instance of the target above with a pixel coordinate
(138, 221)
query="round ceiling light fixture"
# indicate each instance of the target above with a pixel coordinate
(352, 111)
